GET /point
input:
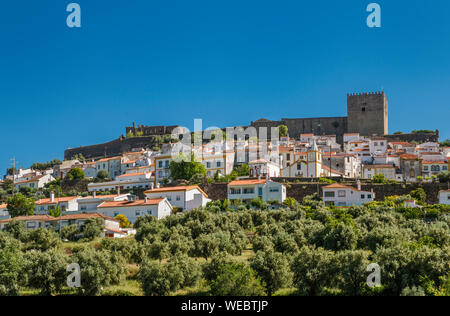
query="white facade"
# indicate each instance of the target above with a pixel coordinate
(185, 198)
(250, 189)
(126, 181)
(444, 197)
(133, 209)
(342, 195)
(65, 204)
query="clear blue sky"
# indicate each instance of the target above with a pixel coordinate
(228, 62)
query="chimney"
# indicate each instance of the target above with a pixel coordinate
(94, 194)
(145, 200)
(52, 196)
(118, 191)
(259, 177)
(358, 183)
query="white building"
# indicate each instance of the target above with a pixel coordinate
(128, 181)
(184, 198)
(249, 189)
(444, 197)
(89, 204)
(4, 211)
(342, 195)
(36, 182)
(31, 222)
(66, 204)
(133, 208)
(111, 225)
(264, 168)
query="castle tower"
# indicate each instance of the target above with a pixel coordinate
(313, 162)
(367, 113)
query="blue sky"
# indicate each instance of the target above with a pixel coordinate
(227, 62)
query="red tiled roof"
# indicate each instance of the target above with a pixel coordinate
(409, 156)
(178, 188)
(339, 186)
(132, 174)
(28, 218)
(82, 216)
(126, 203)
(56, 201)
(247, 182)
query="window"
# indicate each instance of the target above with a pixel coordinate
(178, 198)
(218, 164)
(274, 189)
(363, 109)
(341, 193)
(235, 191)
(444, 167)
(375, 143)
(329, 194)
(425, 168)
(260, 191)
(363, 196)
(369, 196)
(299, 166)
(208, 165)
(138, 213)
(167, 163)
(149, 212)
(248, 191)
(169, 198)
(160, 164)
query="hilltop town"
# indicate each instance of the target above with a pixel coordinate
(166, 211)
(138, 181)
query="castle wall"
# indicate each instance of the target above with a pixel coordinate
(318, 126)
(367, 113)
(110, 149)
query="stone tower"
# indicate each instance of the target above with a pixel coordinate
(367, 113)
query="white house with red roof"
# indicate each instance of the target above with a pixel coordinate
(128, 181)
(184, 198)
(249, 189)
(31, 222)
(4, 211)
(35, 182)
(444, 197)
(133, 208)
(89, 204)
(111, 225)
(65, 204)
(264, 168)
(343, 195)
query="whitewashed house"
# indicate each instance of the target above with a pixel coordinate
(36, 182)
(343, 195)
(444, 197)
(133, 208)
(264, 168)
(249, 189)
(128, 181)
(4, 211)
(31, 222)
(184, 198)
(89, 204)
(66, 204)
